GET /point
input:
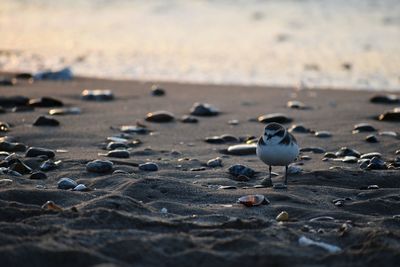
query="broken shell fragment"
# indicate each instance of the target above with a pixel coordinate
(253, 200)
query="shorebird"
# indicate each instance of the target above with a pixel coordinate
(277, 147)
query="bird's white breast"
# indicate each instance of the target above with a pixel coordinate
(277, 154)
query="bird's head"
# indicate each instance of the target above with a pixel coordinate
(273, 131)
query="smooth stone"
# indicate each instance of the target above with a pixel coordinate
(233, 122)
(316, 150)
(376, 164)
(65, 111)
(371, 155)
(214, 140)
(46, 121)
(156, 90)
(216, 162)
(299, 128)
(279, 186)
(24, 76)
(160, 116)
(45, 102)
(371, 139)
(97, 95)
(389, 133)
(350, 159)
(64, 74)
(282, 217)
(397, 152)
(363, 127)
(294, 169)
(189, 119)
(8, 81)
(5, 182)
(390, 116)
(49, 165)
(227, 187)
(99, 166)
(238, 170)
(242, 149)
(22, 109)
(323, 134)
(148, 166)
(12, 147)
(363, 163)
(66, 183)
(115, 145)
(203, 109)
(228, 138)
(20, 167)
(80, 187)
(38, 151)
(198, 169)
(274, 117)
(296, 104)
(385, 99)
(132, 129)
(12, 101)
(118, 153)
(266, 182)
(373, 186)
(38, 176)
(121, 172)
(4, 127)
(345, 151)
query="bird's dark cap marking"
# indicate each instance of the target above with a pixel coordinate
(273, 126)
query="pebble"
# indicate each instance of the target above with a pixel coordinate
(371, 139)
(345, 151)
(2, 110)
(216, 162)
(46, 121)
(189, 119)
(65, 111)
(81, 188)
(253, 200)
(274, 117)
(4, 126)
(118, 153)
(22, 109)
(389, 133)
(115, 145)
(393, 115)
(12, 101)
(66, 183)
(242, 149)
(24, 76)
(233, 122)
(49, 165)
(120, 172)
(160, 116)
(385, 99)
(38, 151)
(203, 109)
(5, 182)
(225, 138)
(156, 90)
(349, 159)
(12, 147)
(198, 169)
(266, 182)
(45, 102)
(363, 163)
(237, 170)
(227, 187)
(50, 205)
(363, 127)
(376, 164)
(20, 167)
(99, 166)
(64, 74)
(299, 128)
(38, 176)
(294, 169)
(129, 129)
(316, 150)
(279, 186)
(8, 81)
(97, 95)
(296, 105)
(148, 166)
(282, 217)
(373, 186)
(323, 134)
(371, 155)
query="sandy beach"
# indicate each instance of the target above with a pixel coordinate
(186, 212)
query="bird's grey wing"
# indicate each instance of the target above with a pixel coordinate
(286, 139)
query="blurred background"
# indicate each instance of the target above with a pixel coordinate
(316, 43)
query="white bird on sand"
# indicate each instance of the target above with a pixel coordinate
(277, 147)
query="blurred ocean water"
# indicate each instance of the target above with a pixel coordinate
(317, 43)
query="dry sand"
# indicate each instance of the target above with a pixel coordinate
(120, 222)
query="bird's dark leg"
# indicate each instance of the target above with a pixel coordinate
(270, 172)
(286, 168)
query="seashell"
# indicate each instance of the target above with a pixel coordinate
(253, 200)
(282, 217)
(50, 205)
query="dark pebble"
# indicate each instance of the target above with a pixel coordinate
(393, 115)
(385, 99)
(160, 116)
(66, 183)
(24, 76)
(397, 152)
(20, 167)
(99, 166)
(203, 109)
(38, 151)
(189, 119)
(148, 166)
(48, 165)
(97, 95)
(118, 153)
(38, 176)
(64, 74)
(237, 170)
(12, 147)
(134, 129)
(363, 127)
(299, 128)
(157, 91)
(371, 139)
(45, 102)
(376, 164)
(274, 117)
(345, 151)
(316, 150)
(296, 105)
(323, 134)
(115, 145)
(198, 169)
(12, 101)
(8, 81)
(22, 109)
(4, 127)
(46, 121)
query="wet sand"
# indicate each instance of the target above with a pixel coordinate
(178, 216)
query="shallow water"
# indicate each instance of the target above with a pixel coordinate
(272, 42)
